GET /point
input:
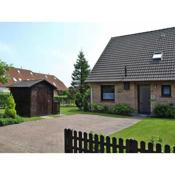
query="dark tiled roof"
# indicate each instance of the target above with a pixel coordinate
(17, 74)
(28, 83)
(135, 52)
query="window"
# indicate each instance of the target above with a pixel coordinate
(166, 91)
(157, 56)
(107, 93)
(126, 85)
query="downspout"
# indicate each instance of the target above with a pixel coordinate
(91, 100)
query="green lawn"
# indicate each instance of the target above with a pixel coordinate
(159, 130)
(66, 110)
(26, 119)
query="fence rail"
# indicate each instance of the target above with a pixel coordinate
(82, 142)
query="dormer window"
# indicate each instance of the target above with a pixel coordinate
(157, 56)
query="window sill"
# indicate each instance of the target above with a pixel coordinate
(166, 96)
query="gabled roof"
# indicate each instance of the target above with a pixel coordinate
(17, 74)
(130, 58)
(28, 83)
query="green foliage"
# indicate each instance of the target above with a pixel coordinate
(99, 108)
(3, 69)
(79, 100)
(3, 99)
(86, 101)
(10, 111)
(10, 121)
(122, 109)
(78, 87)
(156, 139)
(164, 111)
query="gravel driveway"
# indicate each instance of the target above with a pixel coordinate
(47, 135)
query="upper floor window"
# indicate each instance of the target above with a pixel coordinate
(107, 93)
(166, 91)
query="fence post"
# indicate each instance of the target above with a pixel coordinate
(158, 148)
(173, 149)
(150, 148)
(85, 143)
(80, 141)
(114, 145)
(167, 149)
(142, 147)
(90, 143)
(108, 144)
(120, 146)
(128, 145)
(133, 146)
(68, 141)
(96, 143)
(75, 142)
(101, 144)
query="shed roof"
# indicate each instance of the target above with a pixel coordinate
(28, 83)
(130, 58)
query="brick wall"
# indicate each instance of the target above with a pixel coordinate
(130, 96)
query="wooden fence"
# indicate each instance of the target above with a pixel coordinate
(82, 142)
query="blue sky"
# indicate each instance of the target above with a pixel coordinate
(49, 47)
(53, 47)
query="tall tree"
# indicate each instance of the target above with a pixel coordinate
(3, 69)
(79, 75)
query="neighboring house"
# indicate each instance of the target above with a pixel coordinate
(137, 69)
(17, 74)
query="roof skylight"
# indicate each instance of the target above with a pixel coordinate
(157, 56)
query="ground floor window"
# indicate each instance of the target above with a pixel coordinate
(107, 93)
(166, 91)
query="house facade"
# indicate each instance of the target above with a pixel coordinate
(137, 69)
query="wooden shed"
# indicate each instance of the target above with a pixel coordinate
(33, 97)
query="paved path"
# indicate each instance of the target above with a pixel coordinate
(47, 135)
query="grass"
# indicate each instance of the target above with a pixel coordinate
(150, 129)
(26, 119)
(66, 110)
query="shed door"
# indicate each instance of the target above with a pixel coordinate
(42, 105)
(144, 99)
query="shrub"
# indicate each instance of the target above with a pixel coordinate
(99, 108)
(10, 121)
(10, 111)
(86, 101)
(3, 99)
(122, 109)
(164, 111)
(79, 100)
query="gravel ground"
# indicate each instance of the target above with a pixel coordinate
(46, 136)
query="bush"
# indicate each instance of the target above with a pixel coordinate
(3, 99)
(122, 109)
(86, 101)
(164, 111)
(79, 100)
(10, 121)
(10, 111)
(99, 108)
